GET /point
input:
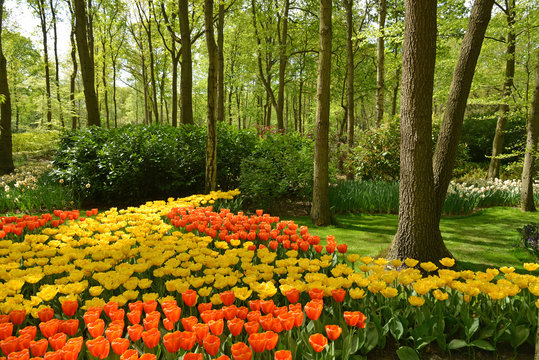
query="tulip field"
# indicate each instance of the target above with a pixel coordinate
(178, 279)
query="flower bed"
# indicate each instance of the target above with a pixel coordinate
(174, 280)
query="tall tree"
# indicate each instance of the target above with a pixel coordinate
(6, 150)
(186, 81)
(211, 140)
(320, 213)
(499, 135)
(53, 6)
(87, 66)
(175, 57)
(423, 189)
(220, 105)
(380, 68)
(527, 201)
(348, 4)
(73, 76)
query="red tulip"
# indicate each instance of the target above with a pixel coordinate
(96, 328)
(69, 327)
(148, 357)
(39, 348)
(70, 307)
(19, 355)
(318, 342)
(316, 294)
(240, 351)
(189, 322)
(120, 345)
(58, 341)
(17, 316)
(271, 340)
(235, 326)
(333, 331)
(172, 341)
(45, 314)
(172, 313)
(292, 295)
(49, 328)
(338, 294)
(267, 306)
(135, 332)
(313, 310)
(330, 248)
(251, 327)
(216, 326)
(188, 339)
(227, 297)
(6, 330)
(342, 248)
(151, 338)
(130, 354)
(193, 356)
(9, 345)
(98, 347)
(211, 344)
(258, 342)
(189, 297)
(283, 355)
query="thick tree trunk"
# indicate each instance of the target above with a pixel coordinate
(73, 76)
(86, 62)
(211, 141)
(320, 213)
(528, 171)
(220, 106)
(448, 139)
(380, 68)
(283, 61)
(6, 150)
(497, 143)
(418, 235)
(350, 76)
(186, 81)
(56, 63)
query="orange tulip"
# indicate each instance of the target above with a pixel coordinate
(151, 322)
(287, 320)
(148, 357)
(117, 314)
(20, 355)
(235, 326)
(189, 297)
(6, 330)
(136, 306)
(242, 312)
(292, 295)
(135, 332)
(17, 316)
(45, 314)
(52, 355)
(240, 351)
(316, 294)
(189, 322)
(201, 331)
(91, 316)
(96, 328)
(216, 326)
(267, 306)
(98, 347)
(351, 317)
(283, 355)
(254, 316)
(318, 342)
(338, 294)
(204, 306)
(333, 331)
(211, 344)
(69, 327)
(223, 357)
(266, 322)
(70, 307)
(113, 332)
(151, 338)
(172, 341)
(58, 341)
(313, 310)
(193, 356)
(75, 343)
(258, 342)
(119, 345)
(9, 345)
(254, 305)
(169, 325)
(271, 340)
(361, 321)
(251, 327)
(172, 313)
(134, 316)
(149, 306)
(130, 354)
(39, 348)
(230, 312)
(227, 297)
(49, 328)
(188, 340)
(110, 307)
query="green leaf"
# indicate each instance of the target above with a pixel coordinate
(456, 344)
(396, 328)
(472, 328)
(371, 338)
(482, 344)
(407, 353)
(519, 335)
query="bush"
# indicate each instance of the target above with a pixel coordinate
(136, 163)
(530, 239)
(280, 165)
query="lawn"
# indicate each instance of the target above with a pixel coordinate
(479, 241)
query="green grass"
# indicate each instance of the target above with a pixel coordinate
(477, 241)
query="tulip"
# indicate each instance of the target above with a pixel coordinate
(134, 316)
(151, 338)
(148, 357)
(258, 342)
(254, 305)
(98, 347)
(117, 314)
(113, 332)
(267, 306)
(130, 354)
(45, 314)
(227, 297)
(6, 330)
(283, 355)
(39, 348)
(149, 306)
(276, 325)
(110, 307)
(9, 345)
(90, 316)
(318, 342)
(169, 325)
(251, 327)
(316, 294)
(151, 322)
(211, 344)
(70, 307)
(235, 326)
(96, 328)
(204, 306)
(172, 313)
(119, 345)
(333, 332)
(189, 297)
(69, 327)
(135, 332)
(189, 322)
(223, 357)
(240, 351)
(242, 312)
(172, 341)
(201, 331)
(29, 330)
(342, 248)
(266, 322)
(216, 326)
(193, 356)
(292, 295)
(188, 340)
(230, 312)
(17, 316)
(361, 321)
(271, 340)
(338, 294)
(49, 328)
(19, 355)
(137, 305)
(313, 310)
(351, 317)
(254, 316)
(58, 341)
(24, 341)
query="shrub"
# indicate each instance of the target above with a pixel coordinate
(280, 165)
(136, 163)
(530, 239)
(365, 196)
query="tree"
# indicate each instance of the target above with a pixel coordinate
(527, 201)
(349, 75)
(87, 67)
(211, 140)
(380, 68)
(6, 150)
(423, 189)
(320, 212)
(508, 84)
(73, 76)
(186, 81)
(53, 6)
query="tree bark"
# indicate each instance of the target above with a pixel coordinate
(56, 63)
(283, 61)
(211, 140)
(320, 213)
(186, 81)
(350, 75)
(220, 106)
(380, 68)
(448, 139)
(86, 62)
(43, 21)
(105, 89)
(6, 149)
(418, 235)
(73, 76)
(528, 170)
(497, 143)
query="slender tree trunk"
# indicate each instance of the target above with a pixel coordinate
(43, 21)
(447, 145)
(73, 77)
(211, 142)
(320, 213)
(175, 63)
(350, 76)
(86, 62)
(380, 68)
(152, 74)
(114, 100)
(528, 170)
(396, 91)
(186, 82)
(497, 143)
(105, 89)
(418, 235)
(6, 150)
(220, 106)
(56, 63)
(283, 62)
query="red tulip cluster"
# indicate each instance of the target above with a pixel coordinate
(261, 229)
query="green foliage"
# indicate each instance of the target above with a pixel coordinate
(529, 239)
(34, 144)
(365, 197)
(136, 163)
(281, 165)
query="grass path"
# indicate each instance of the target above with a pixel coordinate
(477, 241)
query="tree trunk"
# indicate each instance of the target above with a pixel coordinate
(186, 81)
(528, 170)
(380, 68)
(448, 139)
(350, 75)
(57, 75)
(396, 91)
(6, 150)
(43, 22)
(320, 213)
(220, 106)
(105, 89)
(175, 62)
(114, 100)
(418, 235)
(73, 76)
(86, 62)
(211, 141)
(283, 61)
(497, 143)
(152, 73)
